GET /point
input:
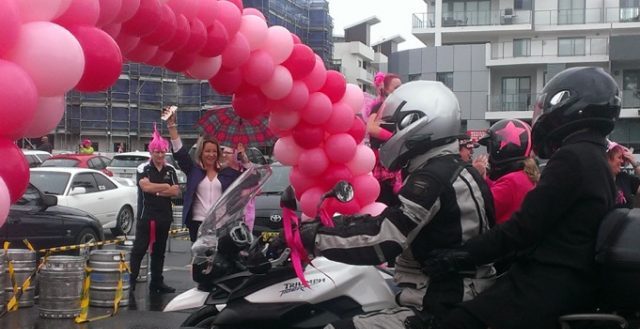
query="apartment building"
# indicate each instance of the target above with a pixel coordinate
(497, 55)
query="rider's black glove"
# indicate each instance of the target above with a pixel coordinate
(443, 262)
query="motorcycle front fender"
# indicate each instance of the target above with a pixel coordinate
(192, 298)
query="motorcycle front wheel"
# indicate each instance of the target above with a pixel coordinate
(202, 318)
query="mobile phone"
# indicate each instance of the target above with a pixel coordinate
(168, 112)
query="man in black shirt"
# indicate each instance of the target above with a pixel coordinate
(157, 183)
(45, 146)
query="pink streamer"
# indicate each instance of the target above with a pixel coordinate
(294, 241)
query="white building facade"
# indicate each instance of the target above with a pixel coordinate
(497, 55)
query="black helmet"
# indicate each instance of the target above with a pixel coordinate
(507, 140)
(576, 98)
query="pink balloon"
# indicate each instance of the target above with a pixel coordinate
(207, 11)
(373, 209)
(180, 37)
(226, 82)
(18, 100)
(301, 61)
(160, 58)
(85, 12)
(197, 38)
(217, 40)
(308, 136)
(249, 104)
(5, 202)
(340, 147)
(180, 61)
(230, 16)
(178, 6)
(280, 84)
(316, 79)
(126, 41)
(166, 30)
(254, 12)
(145, 20)
(112, 29)
(334, 86)
(366, 188)
(189, 8)
(103, 60)
(127, 10)
(344, 208)
(295, 38)
(301, 182)
(318, 109)
(358, 130)
(49, 112)
(335, 173)
(142, 52)
(278, 44)
(313, 162)
(204, 68)
(259, 68)
(255, 30)
(363, 160)
(341, 119)
(14, 169)
(237, 51)
(109, 10)
(51, 55)
(287, 151)
(284, 120)
(310, 200)
(9, 25)
(354, 97)
(38, 10)
(297, 98)
(237, 3)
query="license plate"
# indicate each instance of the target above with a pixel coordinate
(126, 175)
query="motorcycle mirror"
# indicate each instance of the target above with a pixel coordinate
(343, 191)
(288, 199)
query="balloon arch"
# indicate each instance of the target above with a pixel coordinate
(50, 47)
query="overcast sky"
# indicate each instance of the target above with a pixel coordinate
(394, 15)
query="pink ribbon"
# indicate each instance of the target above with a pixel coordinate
(292, 236)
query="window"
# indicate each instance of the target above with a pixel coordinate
(446, 78)
(85, 180)
(516, 93)
(414, 77)
(631, 88)
(521, 47)
(571, 46)
(522, 4)
(629, 10)
(104, 183)
(571, 12)
(96, 163)
(456, 13)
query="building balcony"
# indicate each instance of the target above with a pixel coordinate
(360, 49)
(569, 18)
(545, 51)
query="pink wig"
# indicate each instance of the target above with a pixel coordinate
(86, 142)
(157, 142)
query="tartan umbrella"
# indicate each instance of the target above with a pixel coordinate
(229, 129)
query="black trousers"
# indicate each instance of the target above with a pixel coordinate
(140, 245)
(193, 227)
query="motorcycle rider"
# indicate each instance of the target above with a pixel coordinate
(443, 202)
(553, 235)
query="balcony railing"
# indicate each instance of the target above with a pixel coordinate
(587, 16)
(473, 18)
(550, 47)
(423, 20)
(525, 101)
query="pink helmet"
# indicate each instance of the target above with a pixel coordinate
(86, 142)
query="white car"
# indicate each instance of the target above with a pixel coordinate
(125, 165)
(35, 157)
(111, 202)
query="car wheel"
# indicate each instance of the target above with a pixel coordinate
(87, 235)
(124, 222)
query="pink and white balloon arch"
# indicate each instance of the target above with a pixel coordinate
(50, 47)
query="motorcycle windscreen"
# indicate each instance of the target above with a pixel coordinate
(228, 211)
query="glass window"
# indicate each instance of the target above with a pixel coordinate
(60, 163)
(521, 47)
(85, 180)
(414, 77)
(571, 12)
(516, 93)
(104, 183)
(446, 78)
(522, 4)
(631, 88)
(95, 163)
(128, 161)
(50, 182)
(571, 46)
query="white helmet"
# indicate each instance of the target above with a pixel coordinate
(422, 115)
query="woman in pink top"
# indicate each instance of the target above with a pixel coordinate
(513, 173)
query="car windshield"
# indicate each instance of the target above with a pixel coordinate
(229, 209)
(29, 198)
(278, 181)
(133, 161)
(50, 182)
(60, 163)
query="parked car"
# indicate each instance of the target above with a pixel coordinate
(35, 157)
(112, 203)
(37, 218)
(126, 164)
(268, 211)
(73, 160)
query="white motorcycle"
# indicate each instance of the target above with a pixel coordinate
(244, 286)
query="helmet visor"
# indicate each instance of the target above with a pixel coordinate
(538, 108)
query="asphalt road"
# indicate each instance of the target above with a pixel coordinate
(144, 311)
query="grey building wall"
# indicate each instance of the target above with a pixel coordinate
(624, 48)
(470, 75)
(358, 33)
